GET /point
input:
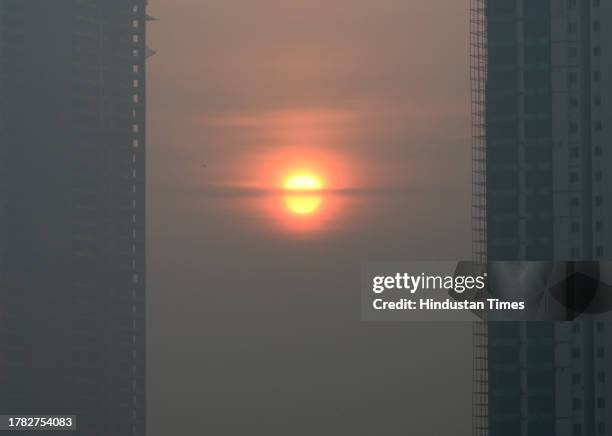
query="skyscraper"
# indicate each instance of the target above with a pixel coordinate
(72, 211)
(542, 104)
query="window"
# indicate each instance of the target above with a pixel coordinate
(601, 403)
(596, 50)
(572, 77)
(598, 151)
(598, 226)
(571, 27)
(575, 253)
(572, 127)
(575, 328)
(135, 83)
(135, 39)
(135, 143)
(135, 128)
(577, 428)
(572, 52)
(601, 352)
(598, 176)
(600, 327)
(574, 202)
(573, 177)
(573, 102)
(135, 8)
(135, 53)
(596, 26)
(598, 125)
(135, 68)
(571, 4)
(135, 24)
(576, 378)
(599, 251)
(601, 428)
(601, 377)
(596, 76)
(575, 227)
(574, 152)
(575, 353)
(597, 100)
(596, 2)
(598, 200)
(576, 403)
(135, 98)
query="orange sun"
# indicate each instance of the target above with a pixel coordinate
(303, 201)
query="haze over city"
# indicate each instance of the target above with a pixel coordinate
(257, 303)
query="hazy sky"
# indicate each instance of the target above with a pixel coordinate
(254, 322)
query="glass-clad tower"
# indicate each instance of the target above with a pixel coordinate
(547, 112)
(72, 211)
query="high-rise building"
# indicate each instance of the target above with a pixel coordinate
(542, 104)
(72, 211)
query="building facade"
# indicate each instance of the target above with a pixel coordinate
(72, 211)
(547, 113)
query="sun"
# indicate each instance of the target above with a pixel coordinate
(302, 201)
(303, 182)
(302, 205)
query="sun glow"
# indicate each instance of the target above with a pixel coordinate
(302, 200)
(305, 185)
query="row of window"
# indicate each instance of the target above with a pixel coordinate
(600, 353)
(572, 127)
(598, 125)
(572, 52)
(572, 3)
(572, 77)
(575, 252)
(577, 403)
(577, 428)
(575, 227)
(574, 152)
(574, 178)
(577, 378)
(577, 327)
(572, 26)
(136, 130)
